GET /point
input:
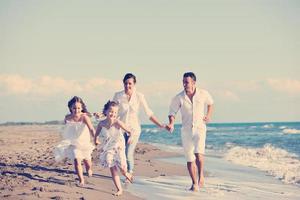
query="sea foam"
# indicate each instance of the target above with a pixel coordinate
(151, 130)
(275, 161)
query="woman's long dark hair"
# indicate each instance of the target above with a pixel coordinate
(128, 76)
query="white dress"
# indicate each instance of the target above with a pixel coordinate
(76, 143)
(112, 148)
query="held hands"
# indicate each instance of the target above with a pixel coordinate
(163, 126)
(98, 115)
(169, 127)
(96, 141)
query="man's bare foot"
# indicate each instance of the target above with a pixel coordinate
(194, 188)
(119, 193)
(201, 182)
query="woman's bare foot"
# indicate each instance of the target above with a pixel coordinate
(119, 193)
(194, 188)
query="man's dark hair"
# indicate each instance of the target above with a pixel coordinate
(189, 74)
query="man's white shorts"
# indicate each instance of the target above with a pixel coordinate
(193, 141)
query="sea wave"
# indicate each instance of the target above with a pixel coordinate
(275, 161)
(291, 131)
(268, 126)
(209, 128)
(282, 127)
(150, 130)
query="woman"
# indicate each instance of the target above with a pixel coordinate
(130, 101)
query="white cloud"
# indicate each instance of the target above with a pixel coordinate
(289, 86)
(246, 86)
(227, 95)
(95, 84)
(240, 86)
(15, 84)
(157, 92)
(46, 86)
(160, 88)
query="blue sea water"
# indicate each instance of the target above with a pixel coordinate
(273, 147)
(221, 136)
(239, 156)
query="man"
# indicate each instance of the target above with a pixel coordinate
(191, 102)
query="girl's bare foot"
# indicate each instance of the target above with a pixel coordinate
(194, 188)
(80, 184)
(90, 173)
(119, 193)
(129, 177)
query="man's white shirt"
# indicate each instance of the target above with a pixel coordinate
(192, 113)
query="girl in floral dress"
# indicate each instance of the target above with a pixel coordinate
(112, 147)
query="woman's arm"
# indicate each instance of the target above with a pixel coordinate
(156, 122)
(149, 112)
(124, 127)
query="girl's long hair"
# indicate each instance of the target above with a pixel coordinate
(76, 99)
(108, 105)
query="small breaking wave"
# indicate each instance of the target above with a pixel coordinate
(150, 130)
(291, 131)
(268, 126)
(275, 161)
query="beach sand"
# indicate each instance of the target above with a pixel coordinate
(29, 171)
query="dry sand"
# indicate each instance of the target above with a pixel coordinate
(29, 171)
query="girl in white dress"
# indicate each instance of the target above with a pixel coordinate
(77, 143)
(112, 147)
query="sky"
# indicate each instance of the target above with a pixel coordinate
(245, 53)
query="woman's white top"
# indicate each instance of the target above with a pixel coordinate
(129, 110)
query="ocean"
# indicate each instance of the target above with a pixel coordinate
(273, 147)
(243, 160)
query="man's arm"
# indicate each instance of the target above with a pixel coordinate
(174, 107)
(208, 115)
(170, 126)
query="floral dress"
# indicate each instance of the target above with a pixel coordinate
(112, 148)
